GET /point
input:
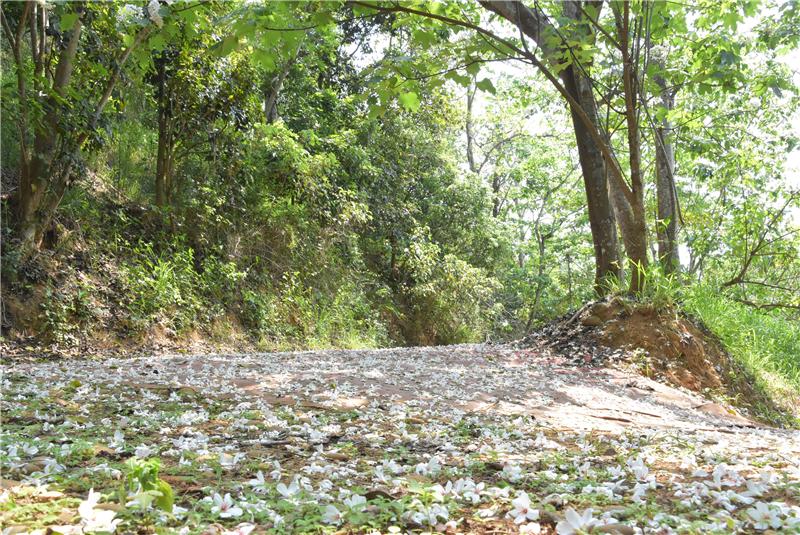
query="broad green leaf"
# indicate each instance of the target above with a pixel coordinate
(409, 100)
(486, 85)
(473, 67)
(264, 58)
(167, 498)
(157, 42)
(460, 79)
(229, 44)
(423, 38)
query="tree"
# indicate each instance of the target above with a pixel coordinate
(198, 98)
(601, 169)
(60, 110)
(56, 116)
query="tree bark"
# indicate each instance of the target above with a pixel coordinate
(38, 175)
(601, 216)
(595, 151)
(535, 25)
(47, 168)
(468, 130)
(666, 192)
(541, 240)
(631, 215)
(165, 152)
(273, 90)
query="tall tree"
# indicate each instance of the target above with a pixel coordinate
(53, 122)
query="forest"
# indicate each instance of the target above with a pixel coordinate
(313, 200)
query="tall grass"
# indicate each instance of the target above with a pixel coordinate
(767, 345)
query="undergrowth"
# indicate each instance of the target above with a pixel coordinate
(766, 345)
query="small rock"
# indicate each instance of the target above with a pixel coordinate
(29, 468)
(49, 495)
(556, 500)
(116, 507)
(546, 517)
(378, 493)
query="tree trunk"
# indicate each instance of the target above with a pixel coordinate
(601, 170)
(497, 201)
(629, 204)
(533, 23)
(161, 171)
(666, 193)
(40, 182)
(541, 240)
(633, 229)
(468, 129)
(164, 135)
(273, 90)
(601, 217)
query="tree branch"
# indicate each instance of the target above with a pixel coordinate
(605, 149)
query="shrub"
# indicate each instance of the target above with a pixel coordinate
(162, 288)
(449, 300)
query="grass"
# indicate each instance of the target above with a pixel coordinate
(766, 345)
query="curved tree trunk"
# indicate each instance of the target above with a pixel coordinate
(41, 182)
(273, 90)
(535, 25)
(47, 168)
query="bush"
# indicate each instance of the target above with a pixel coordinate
(220, 283)
(449, 300)
(298, 316)
(162, 288)
(66, 316)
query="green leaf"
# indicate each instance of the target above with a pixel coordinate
(409, 100)
(486, 85)
(423, 38)
(157, 42)
(229, 44)
(264, 58)
(322, 18)
(376, 111)
(361, 9)
(460, 79)
(167, 498)
(68, 20)
(473, 68)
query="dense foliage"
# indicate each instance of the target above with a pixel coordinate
(351, 174)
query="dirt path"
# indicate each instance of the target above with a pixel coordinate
(440, 415)
(470, 378)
